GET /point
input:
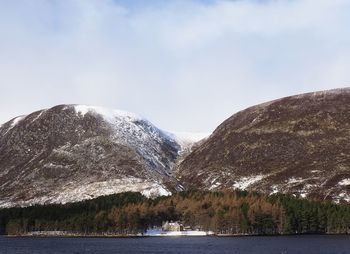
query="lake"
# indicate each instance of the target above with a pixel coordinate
(311, 244)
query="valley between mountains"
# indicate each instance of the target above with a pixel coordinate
(298, 145)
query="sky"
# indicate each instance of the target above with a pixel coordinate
(186, 65)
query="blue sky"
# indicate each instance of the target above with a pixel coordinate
(185, 65)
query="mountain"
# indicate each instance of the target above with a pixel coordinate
(70, 153)
(298, 145)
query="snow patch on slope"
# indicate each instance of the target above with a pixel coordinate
(294, 180)
(84, 191)
(39, 115)
(214, 186)
(17, 120)
(245, 182)
(344, 182)
(343, 196)
(14, 122)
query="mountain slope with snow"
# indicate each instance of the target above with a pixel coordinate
(74, 152)
(298, 145)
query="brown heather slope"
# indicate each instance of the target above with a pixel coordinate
(298, 145)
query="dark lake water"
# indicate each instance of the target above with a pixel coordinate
(222, 245)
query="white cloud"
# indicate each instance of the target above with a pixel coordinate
(186, 65)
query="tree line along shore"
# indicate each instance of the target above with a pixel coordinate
(224, 213)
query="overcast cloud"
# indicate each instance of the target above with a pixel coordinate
(184, 65)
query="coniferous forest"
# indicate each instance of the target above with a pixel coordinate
(226, 212)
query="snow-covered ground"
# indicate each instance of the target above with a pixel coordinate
(344, 196)
(159, 232)
(344, 182)
(244, 182)
(78, 192)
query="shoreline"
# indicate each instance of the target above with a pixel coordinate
(160, 236)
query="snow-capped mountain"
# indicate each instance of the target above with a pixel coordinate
(298, 145)
(75, 152)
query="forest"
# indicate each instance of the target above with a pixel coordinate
(225, 212)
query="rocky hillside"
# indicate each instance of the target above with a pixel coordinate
(298, 145)
(74, 152)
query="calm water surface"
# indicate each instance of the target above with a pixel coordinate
(191, 245)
